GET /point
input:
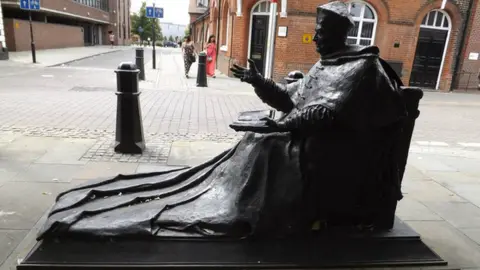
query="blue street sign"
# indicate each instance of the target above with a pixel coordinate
(159, 13)
(150, 13)
(25, 4)
(35, 4)
(30, 4)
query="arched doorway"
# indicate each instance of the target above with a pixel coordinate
(257, 43)
(431, 50)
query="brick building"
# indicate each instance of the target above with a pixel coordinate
(420, 38)
(67, 23)
(469, 64)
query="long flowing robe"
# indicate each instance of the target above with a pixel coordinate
(212, 55)
(333, 162)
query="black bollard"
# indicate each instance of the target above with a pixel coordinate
(139, 61)
(202, 70)
(129, 133)
(294, 76)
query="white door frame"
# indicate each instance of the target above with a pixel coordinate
(251, 25)
(447, 41)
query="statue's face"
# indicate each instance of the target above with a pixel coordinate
(327, 36)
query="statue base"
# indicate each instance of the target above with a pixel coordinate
(400, 246)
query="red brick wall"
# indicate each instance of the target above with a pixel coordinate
(397, 21)
(46, 35)
(472, 44)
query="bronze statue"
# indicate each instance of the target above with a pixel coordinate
(327, 159)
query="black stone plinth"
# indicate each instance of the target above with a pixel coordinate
(398, 247)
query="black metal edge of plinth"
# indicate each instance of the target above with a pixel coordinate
(401, 246)
(410, 253)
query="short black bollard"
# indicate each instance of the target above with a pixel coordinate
(202, 70)
(139, 61)
(294, 76)
(129, 133)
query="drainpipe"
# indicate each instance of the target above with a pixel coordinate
(231, 44)
(203, 34)
(217, 38)
(271, 39)
(461, 45)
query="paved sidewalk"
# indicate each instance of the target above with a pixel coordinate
(441, 190)
(54, 57)
(57, 130)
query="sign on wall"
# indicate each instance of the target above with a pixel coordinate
(473, 56)
(282, 31)
(307, 38)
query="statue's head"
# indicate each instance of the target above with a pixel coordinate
(333, 24)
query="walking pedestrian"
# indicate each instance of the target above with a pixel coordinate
(211, 49)
(188, 49)
(112, 39)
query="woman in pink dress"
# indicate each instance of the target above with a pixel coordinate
(211, 49)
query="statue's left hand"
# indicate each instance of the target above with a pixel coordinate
(270, 122)
(248, 75)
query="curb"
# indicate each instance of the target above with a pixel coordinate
(86, 57)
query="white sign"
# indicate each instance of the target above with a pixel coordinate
(282, 31)
(473, 56)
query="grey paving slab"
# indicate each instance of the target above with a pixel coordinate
(452, 179)
(25, 202)
(429, 191)
(451, 244)
(67, 151)
(10, 168)
(468, 166)
(470, 191)
(428, 163)
(93, 170)
(146, 168)
(9, 240)
(414, 174)
(460, 215)
(53, 173)
(6, 138)
(473, 233)
(410, 209)
(25, 148)
(24, 246)
(185, 153)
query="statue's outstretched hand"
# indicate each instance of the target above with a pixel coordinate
(248, 75)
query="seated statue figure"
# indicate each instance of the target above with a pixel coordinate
(328, 159)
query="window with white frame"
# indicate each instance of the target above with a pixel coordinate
(363, 33)
(225, 33)
(435, 19)
(202, 3)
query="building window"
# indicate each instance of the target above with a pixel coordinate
(262, 8)
(225, 32)
(435, 19)
(202, 3)
(365, 24)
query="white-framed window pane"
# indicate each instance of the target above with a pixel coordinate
(445, 23)
(367, 29)
(424, 21)
(356, 9)
(368, 13)
(431, 19)
(439, 19)
(351, 41)
(365, 42)
(354, 30)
